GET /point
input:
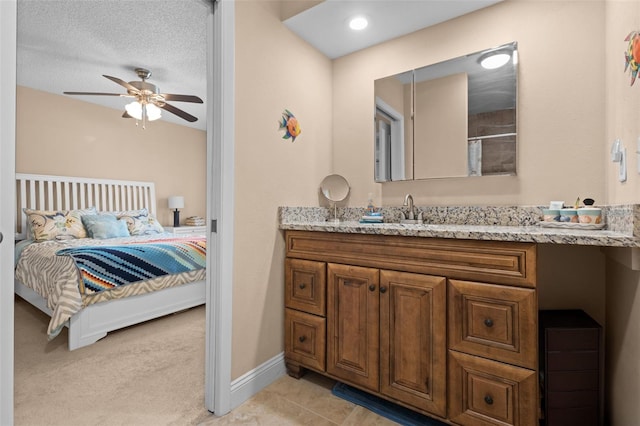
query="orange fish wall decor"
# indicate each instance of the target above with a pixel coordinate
(290, 124)
(632, 54)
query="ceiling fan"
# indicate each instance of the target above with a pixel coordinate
(148, 101)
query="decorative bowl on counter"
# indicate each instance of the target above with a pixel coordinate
(551, 215)
(569, 215)
(591, 215)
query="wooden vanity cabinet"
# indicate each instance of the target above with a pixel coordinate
(386, 333)
(445, 327)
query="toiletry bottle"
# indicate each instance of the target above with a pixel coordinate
(370, 207)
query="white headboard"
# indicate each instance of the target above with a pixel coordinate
(43, 192)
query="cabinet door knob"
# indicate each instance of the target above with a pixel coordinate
(372, 287)
(488, 399)
(488, 322)
(302, 338)
(302, 286)
(383, 289)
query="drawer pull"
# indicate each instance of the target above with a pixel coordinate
(372, 287)
(488, 399)
(302, 286)
(383, 289)
(488, 322)
(302, 338)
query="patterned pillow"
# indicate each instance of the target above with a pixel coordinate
(102, 226)
(47, 225)
(140, 222)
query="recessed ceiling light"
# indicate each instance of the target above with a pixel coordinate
(358, 23)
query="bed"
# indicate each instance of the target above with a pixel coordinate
(71, 299)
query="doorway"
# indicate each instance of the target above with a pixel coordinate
(219, 205)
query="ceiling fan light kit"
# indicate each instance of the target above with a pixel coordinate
(148, 101)
(140, 111)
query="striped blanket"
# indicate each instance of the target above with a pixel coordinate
(106, 267)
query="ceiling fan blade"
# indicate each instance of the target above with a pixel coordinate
(181, 98)
(94, 93)
(122, 83)
(126, 115)
(180, 113)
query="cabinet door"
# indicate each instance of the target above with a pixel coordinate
(413, 339)
(353, 324)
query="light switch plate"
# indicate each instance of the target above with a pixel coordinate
(638, 154)
(622, 172)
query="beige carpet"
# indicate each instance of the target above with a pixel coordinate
(148, 374)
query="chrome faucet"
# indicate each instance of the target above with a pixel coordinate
(408, 201)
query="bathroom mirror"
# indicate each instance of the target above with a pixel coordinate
(455, 118)
(334, 188)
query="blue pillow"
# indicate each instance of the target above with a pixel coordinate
(102, 226)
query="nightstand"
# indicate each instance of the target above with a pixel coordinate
(186, 230)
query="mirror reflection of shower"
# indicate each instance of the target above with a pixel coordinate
(334, 188)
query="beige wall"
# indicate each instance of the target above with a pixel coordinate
(622, 297)
(561, 104)
(60, 135)
(274, 70)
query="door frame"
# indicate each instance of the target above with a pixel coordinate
(8, 35)
(220, 166)
(220, 204)
(395, 146)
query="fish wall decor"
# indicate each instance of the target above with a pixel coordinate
(291, 126)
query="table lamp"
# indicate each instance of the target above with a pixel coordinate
(176, 202)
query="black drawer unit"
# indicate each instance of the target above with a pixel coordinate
(571, 368)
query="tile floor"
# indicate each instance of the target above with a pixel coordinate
(307, 401)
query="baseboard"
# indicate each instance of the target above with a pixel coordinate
(252, 382)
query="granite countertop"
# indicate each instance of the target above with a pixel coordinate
(534, 234)
(517, 228)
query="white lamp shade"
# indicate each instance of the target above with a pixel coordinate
(134, 109)
(176, 202)
(153, 112)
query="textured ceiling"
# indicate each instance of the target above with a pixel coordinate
(68, 45)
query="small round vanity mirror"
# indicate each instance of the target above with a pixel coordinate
(334, 188)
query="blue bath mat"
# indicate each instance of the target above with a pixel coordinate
(384, 408)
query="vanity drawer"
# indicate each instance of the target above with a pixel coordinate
(493, 321)
(484, 392)
(305, 339)
(305, 285)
